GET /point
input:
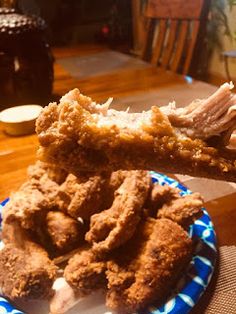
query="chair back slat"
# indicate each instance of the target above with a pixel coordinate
(157, 50)
(178, 25)
(195, 30)
(170, 44)
(183, 30)
(174, 9)
(147, 48)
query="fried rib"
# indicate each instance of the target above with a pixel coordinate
(79, 134)
(114, 226)
(162, 252)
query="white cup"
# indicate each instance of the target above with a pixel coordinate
(20, 120)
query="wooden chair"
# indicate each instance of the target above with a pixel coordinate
(175, 29)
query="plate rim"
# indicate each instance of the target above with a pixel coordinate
(202, 229)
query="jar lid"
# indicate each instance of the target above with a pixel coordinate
(4, 10)
(12, 23)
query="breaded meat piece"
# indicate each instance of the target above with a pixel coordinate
(87, 194)
(159, 195)
(183, 210)
(79, 135)
(64, 232)
(114, 226)
(85, 272)
(166, 202)
(26, 270)
(52, 171)
(152, 263)
(33, 200)
(82, 196)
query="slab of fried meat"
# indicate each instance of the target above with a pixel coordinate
(78, 134)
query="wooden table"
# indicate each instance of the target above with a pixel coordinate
(138, 87)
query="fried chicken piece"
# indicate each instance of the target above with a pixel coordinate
(151, 265)
(87, 194)
(30, 204)
(114, 226)
(82, 196)
(85, 272)
(159, 195)
(78, 134)
(183, 210)
(115, 180)
(166, 202)
(40, 168)
(65, 232)
(26, 271)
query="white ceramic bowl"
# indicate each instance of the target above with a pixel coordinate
(20, 120)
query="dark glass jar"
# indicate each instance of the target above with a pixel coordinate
(26, 61)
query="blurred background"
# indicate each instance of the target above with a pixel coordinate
(118, 24)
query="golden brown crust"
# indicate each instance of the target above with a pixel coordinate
(166, 202)
(53, 173)
(85, 273)
(64, 232)
(30, 204)
(183, 210)
(114, 226)
(26, 270)
(131, 254)
(153, 269)
(76, 139)
(82, 196)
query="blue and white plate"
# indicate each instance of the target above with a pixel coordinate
(191, 285)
